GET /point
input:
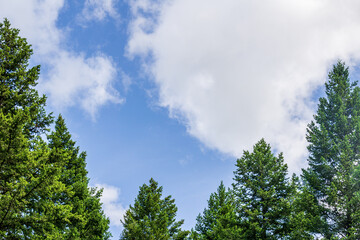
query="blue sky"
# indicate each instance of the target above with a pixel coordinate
(176, 90)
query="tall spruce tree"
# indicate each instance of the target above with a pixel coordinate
(151, 217)
(219, 219)
(87, 220)
(18, 81)
(334, 147)
(43, 187)
(262, 193)
(27, 176)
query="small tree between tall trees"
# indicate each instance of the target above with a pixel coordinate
(152, 217)
(219, 219)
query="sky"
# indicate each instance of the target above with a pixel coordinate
(176, 90)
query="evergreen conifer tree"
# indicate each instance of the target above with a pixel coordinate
(43, 187)
(27, 177)
(219, 219)
(87, 220)
(262, 194)
(152, 217)
(17, 81)
(334, 147)
(304, 218)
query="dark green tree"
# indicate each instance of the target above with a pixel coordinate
(17, 81)
(304, 218)
(334, 148)
(262, 193)
(43, 186)
(87, 219)
(219, 219)
(151, 217)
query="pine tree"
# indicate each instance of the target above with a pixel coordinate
(17, 81)
(304, 220)
(219, 219)
(87, 220)
(27, 177)
(151, 217)
(262, 193)
(43, 186)
(334, 147)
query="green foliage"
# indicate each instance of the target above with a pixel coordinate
(44, 190)
(262, 194)
(334, 147)
(151, 217)
(87, 219)
(17, 82)
(219, 220)
(28, 179)
(304, 217)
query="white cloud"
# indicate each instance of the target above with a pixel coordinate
(98, 10)
(111, 205)
(70, 78)
(238, 70)
(92, 87)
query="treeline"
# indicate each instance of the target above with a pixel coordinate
(263, 202)
(45, 193)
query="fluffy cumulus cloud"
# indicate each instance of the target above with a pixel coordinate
(86, 81)
(98, 10)
(236, 71)
(112, 208)
(70, 78)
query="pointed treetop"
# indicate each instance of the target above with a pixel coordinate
(151, 216)
(17, 82)
(61, 137)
